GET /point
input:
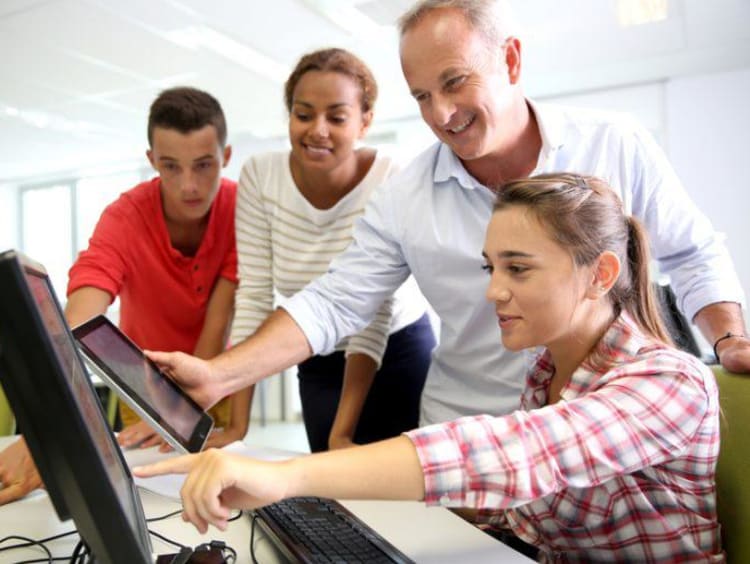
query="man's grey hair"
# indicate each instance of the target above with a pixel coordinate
(493, 19)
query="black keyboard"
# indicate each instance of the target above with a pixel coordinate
(313, 529)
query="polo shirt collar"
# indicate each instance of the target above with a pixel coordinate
(209, 235)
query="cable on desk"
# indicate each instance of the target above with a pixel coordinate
(54, 559)
(32, 542)
(165, 539)
(167, 516)
(219, 545)
(27, 542)
(80, 552)
(179, 511)
(233, 553)
(222, 547)
(252, 538)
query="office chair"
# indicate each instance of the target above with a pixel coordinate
(677, 324)
(7, 420)
(112, 409)
(732, 486)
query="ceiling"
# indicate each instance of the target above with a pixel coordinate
(78, 76)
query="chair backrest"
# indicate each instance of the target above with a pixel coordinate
(677, 324)
(732, 483)
(7, 421)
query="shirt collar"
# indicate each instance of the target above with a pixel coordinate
(551, 127)
(622, 341)
(448, 166)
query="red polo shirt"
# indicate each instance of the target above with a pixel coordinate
(163, 294)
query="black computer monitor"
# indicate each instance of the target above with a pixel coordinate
(62, 419)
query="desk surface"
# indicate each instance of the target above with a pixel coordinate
(425, 534)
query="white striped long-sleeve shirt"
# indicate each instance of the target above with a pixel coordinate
(284, 242)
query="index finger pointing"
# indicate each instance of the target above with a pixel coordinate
(179, 465)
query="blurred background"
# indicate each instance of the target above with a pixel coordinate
(77, 78)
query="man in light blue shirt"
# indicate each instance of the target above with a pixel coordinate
(463, 68)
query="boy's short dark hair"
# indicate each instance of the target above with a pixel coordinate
(186, 109)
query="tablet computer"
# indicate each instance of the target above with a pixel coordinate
(118, 361)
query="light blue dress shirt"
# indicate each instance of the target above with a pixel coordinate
(430, 219)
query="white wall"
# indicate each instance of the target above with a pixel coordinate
(707, 126)
(644, 101)
(8, 218)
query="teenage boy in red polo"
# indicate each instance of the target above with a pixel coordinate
(167, 249)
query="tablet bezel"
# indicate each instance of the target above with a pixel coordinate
(159, 422)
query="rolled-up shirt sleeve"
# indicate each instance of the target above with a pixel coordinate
(683, 240)
(373, 339)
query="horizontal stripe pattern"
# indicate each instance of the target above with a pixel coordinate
(283, 242)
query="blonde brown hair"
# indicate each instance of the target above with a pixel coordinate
(493, 19)
(334, 60)
(584, 215)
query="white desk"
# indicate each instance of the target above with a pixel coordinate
(429, 535)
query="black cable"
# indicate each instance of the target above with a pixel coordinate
(82, 549)
(221, 546)
(41, 543)
(252, 538)
(167, 516)
(178, 545)
(165, 539)
(53, 559)
(224, 547)
(86, 552)
(32, 541)
(27, 542)
(79, 548)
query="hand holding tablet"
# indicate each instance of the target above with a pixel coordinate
(111, 355)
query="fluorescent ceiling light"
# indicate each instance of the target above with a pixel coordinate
(44, 120)
(639, 12)
(196, 37)
(348, 18)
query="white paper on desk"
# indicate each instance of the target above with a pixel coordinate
(169, 485)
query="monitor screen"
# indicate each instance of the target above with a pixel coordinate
(62, 419)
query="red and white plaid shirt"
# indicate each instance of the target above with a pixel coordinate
(621, 469)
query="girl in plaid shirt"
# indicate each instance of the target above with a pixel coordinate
(612, 454)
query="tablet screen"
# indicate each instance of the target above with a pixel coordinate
(153, 395)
